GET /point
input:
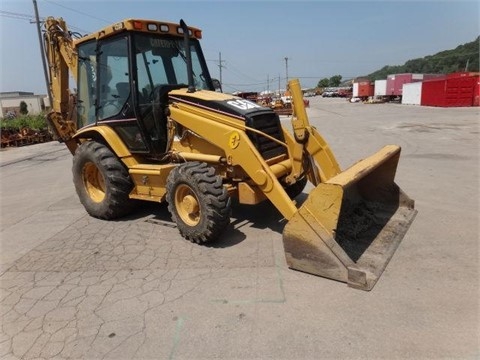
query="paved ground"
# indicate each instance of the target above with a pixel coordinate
(76, 287)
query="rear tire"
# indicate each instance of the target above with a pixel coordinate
(198, 202)
(102, 182)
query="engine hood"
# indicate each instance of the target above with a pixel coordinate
(262, 123)
(219, 102)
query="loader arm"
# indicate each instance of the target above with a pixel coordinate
(62, 60)
(307, 141)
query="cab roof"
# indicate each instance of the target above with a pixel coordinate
(141, 25)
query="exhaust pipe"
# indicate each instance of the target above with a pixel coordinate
(188, 54)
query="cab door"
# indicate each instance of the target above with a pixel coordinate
(115, 100)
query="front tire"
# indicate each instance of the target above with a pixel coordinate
(102, 182)
(198, 202)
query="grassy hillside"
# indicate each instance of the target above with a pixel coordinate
(444, 62)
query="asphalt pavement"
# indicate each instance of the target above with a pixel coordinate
(77, 287)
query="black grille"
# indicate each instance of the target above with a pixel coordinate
(268, 123)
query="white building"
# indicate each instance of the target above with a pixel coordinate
(10, 103)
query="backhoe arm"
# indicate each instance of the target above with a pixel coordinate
(62, 60)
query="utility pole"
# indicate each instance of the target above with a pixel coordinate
(42, 53)
(220, 65)
(286, 69)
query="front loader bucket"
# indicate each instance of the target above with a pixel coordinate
(349, 226)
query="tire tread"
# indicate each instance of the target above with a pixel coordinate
(215, 198)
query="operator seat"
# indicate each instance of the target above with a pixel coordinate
(158, 127)
(123, 91)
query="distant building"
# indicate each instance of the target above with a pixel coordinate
(10, 103)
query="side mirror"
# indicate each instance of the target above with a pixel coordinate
(216, 85)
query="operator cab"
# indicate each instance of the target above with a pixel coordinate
(124, 80)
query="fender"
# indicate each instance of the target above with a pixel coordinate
(111, 138)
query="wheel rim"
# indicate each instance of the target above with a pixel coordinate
(187, 205)
(94, 182)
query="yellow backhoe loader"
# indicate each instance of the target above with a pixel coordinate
(147, 124)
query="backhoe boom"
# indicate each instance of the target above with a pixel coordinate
(63, 60)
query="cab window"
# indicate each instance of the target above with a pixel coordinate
(113, 78)
(86, 86)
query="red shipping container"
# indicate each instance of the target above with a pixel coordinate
(459, 91)
(462, 74)
(453, 91)
(365, 89)
(433, 93)
(476, 93)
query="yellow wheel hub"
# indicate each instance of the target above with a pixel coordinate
(94, 182)
(187, 205)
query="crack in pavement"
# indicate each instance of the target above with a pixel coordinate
(92, 290)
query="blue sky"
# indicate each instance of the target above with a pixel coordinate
(320, 38)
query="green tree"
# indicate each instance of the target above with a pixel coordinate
(335, 80)
(463, 57)
(323, 83)
(23, 108)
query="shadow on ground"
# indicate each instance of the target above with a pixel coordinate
(260, 216)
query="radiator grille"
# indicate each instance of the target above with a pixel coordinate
(268, 123)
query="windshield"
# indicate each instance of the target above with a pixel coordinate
(163, 61)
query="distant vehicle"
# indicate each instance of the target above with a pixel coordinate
(330, 94)
(337, 92)
(344, 92)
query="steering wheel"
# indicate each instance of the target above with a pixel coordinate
(110, 108)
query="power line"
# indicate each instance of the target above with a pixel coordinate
(255, 84)
(79, 12)
(30, 18)
(16, 15)
(237, 72)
